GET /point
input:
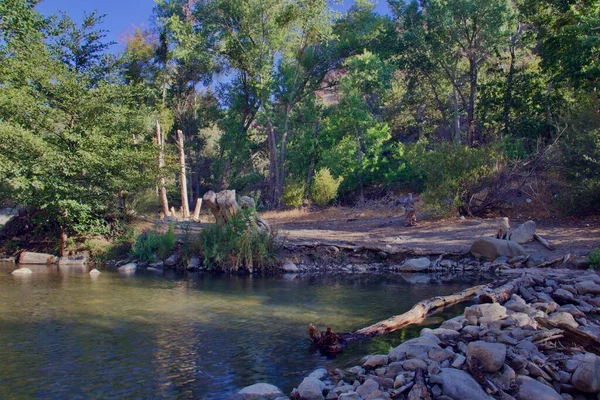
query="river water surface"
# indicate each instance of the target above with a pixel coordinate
(64, 334)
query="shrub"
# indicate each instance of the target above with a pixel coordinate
(293, 194)
(595, 258)
(324, 188)
(237, 244)
(151, 245)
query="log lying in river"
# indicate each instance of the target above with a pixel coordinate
(329, 342)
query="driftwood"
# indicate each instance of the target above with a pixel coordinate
(419, 390)
(223, 205)
(502, 293)
(196, 214)
(574, 335)
(329, 342)
(543, 241)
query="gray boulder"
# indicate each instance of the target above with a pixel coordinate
(523, 233)
(375, 361)
(530, 389)
(458, 384)
(587, 375)
(289, 267)
(311, 389)
(260, 391)
(563, 318)
(491, 312)
(490, 355)
(413, 348)
(492, 248)
(587, 287)
(22, 272)
(416, 265)
(94, 272)
(29, 257)
(128, 268)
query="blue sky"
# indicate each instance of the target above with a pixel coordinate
(123, 16)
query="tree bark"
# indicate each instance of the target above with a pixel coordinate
(313, 159)
(509, 86)
(281, 183)
(161, 165)
(273, 164)
(456, 116)
(472, 94)
(185, 208)
(359, 157)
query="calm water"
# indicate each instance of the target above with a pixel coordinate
(65, 335)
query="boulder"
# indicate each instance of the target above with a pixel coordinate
(28, 257)
(413, 364)
(260, 391)
(172, 260)
(491, 312)
(523, 233)
(492, 248)
(530, 389)
(311, 389)
(458, 384)
(128, 268)
(587, 287)
(94, 272)
(22, 271)
(416, 265)
(77, 260)
(563, 318)
(367, 388)
(413, 348)
(289, 267)
(587, 375)
(375, 361)
(194, 263)
(490, 355)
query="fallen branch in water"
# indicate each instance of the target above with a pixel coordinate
(329, 342)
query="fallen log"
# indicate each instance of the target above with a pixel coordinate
(543, 241)
(574, 335)
(502, 293)
(330, 343)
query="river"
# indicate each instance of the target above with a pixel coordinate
(65, 334)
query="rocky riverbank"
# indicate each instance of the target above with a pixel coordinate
(540, 340)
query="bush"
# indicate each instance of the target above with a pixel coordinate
(324, 188)
(151, 245)
(595, 258)
(237, 244)
(293, 194)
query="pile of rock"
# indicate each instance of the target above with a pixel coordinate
(492, 351)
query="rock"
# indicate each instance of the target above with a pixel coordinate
(491, 312)
(311, 389)
(128, 268)
(455, 324)
(445, 334)
(504, 377)
(530, 389)
(490, 355)
(349, 396)
(416, 265)
(440, 355)
(172, 260)
(459, 361)
(413, 364)
(563, 318)
(414, 348)
(94, 272)
(561, 296)
(319, 373)
(587, 287)
(459, 384)
(22, 271)
(28, 257)
(523, 233)
(375, 361)
(260, 391)
(367, 388)
(492, 248)
(289, 267)
(78, 260)
(194, 263)
(587, 375)
(394, 369)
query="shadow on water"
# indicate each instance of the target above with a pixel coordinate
(67, 335)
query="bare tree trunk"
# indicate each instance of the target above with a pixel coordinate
(223, 183)
(63, 242)
(471, 107)
(509, 81)
(161, 165)
(456, 116)
(359, 157)
(196, 215)
(185, 208)
(273, 165)
(313, 160)
(286, 128)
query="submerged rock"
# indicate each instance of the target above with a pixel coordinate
(128, 268)
(416, 265)
(289, 267)
(260, 391)
(95, 272)
(22, 271)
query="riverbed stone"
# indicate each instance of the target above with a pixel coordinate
(375, 361)
(368, 388)
(29, 257)
(587, 287)
(523, 233)
(563, 318)
(349, 396)
(445, 334)
(22, 272)
(260, 391)
(416, 265)
(491, 312)
(172, 260)
(587, 374)
(458, 384)
(440, 355)
(413, 348)
(562, 296)
(94, 272)
(289, 267)
(311, 389)
(492, 248)
(128, 268)
(530, 389)
(75, 260)
(413, 364)
(319, 373)
(490, 355)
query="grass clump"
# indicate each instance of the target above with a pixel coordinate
(293, 194)
(150, 246)
(595, 258)
(237, 244)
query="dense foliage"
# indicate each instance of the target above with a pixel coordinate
(433, 97)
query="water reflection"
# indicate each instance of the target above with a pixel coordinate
(65, 334)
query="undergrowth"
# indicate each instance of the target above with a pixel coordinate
(150, 246)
